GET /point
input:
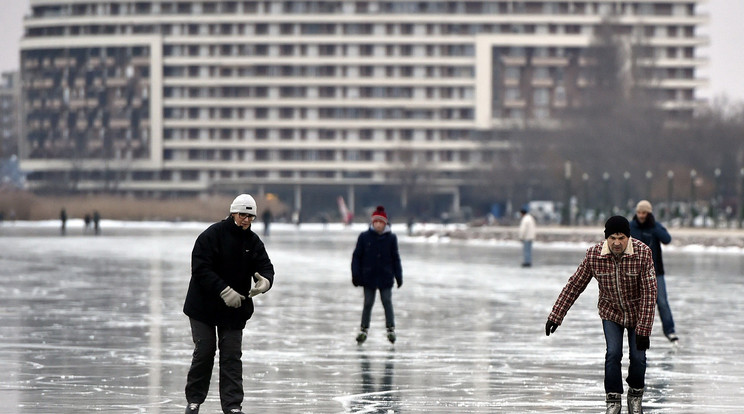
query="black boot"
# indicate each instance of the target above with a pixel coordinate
(192, 408)
(614, 403)
(635, 398)
(362, 336)
(391, 334)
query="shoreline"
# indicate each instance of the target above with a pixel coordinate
(427, 232)
(586, 234)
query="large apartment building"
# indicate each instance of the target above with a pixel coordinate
(187, 96)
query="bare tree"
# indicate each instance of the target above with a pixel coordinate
(617, 124)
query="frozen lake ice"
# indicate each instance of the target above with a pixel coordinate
(94, 324)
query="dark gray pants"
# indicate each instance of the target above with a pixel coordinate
(386, 296)
(206, 343)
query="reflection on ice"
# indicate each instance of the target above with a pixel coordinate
(95, 324)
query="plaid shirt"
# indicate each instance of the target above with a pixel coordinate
(627, 286)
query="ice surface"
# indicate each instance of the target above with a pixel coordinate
(94, 324)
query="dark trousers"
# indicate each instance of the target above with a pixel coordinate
(665, 313)
(386, 296)
(613, 371)
(206, 343)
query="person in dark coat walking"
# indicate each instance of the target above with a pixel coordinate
(97, 222)
(645, 228)
(375, 265)
(226, 258)
(63, 220)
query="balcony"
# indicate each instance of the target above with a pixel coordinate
(116, 82)
(77, 103)
(119, 123)
(141, 61)
(543, 83)
(550, 61)
(514, 60)
(515, 103)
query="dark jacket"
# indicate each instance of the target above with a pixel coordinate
(225, 255)
(652, 234)
(376, 261)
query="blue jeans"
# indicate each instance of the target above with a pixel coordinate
(667, 322)
(613, 380)
(386, 296)
(527, 251)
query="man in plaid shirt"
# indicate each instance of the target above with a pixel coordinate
(624, 270)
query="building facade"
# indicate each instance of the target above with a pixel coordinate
(185, 97)
(10, 116)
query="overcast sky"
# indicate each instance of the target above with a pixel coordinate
(724, 72)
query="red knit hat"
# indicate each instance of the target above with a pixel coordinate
(380, 214)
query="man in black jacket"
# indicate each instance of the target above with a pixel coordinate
(226, 258)
(645, 228)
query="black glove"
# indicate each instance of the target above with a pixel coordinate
(356, 281)
(642, 342)
(550, 327)
(650, 221)
(400, 283)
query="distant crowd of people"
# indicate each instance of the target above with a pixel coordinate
(88, 219)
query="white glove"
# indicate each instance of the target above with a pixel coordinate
(261, 286)
(232, 298)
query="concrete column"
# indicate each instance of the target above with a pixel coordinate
(456, 200)
(351, 196)
(298, 197)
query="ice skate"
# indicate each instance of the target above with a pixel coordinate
(192, 408)
(362, 336)
(391, 334)
(635, 397)
(614, 403)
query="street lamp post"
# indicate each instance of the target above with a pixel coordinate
(670, 191)
(608, 202)
(741, 198)
(585, 180)
(716, 197)
(626, 176)
(567, 205)
(693, 175)
(649, 176)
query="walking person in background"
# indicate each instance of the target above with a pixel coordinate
(226, 257)
(627, 293)
(526, 235)
(97, 222)
(86, 223)
(645, 228)
(266, 218)
(375, 265)
(63, 219)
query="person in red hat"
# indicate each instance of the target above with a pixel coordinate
(375, 265)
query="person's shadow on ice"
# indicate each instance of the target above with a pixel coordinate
(378, 391)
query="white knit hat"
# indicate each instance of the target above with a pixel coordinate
(244, 203)
(644, 205)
